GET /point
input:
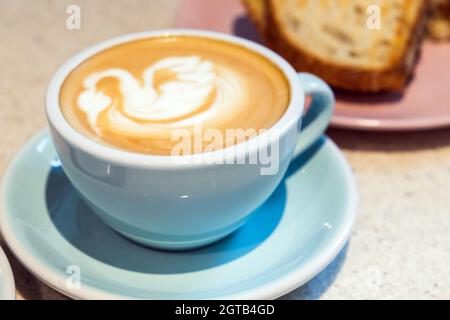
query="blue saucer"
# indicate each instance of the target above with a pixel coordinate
(295, 234)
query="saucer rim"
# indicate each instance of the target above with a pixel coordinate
(266, 290)
(339, 121)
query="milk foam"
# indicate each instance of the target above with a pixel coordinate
(199, 92)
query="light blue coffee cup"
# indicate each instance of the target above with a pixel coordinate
(186, 202)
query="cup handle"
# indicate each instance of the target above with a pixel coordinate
(317, 118)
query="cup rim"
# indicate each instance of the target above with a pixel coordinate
(115, 155)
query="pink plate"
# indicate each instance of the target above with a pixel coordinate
(424, 105)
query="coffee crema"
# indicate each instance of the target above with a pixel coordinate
(135, 95)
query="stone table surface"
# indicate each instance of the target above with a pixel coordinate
(400, 247)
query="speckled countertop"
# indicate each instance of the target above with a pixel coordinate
(400, 246)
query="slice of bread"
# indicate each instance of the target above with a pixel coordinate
(331, 38)
(439, 22)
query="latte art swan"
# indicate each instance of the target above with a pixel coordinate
(175, 92)
(136, 95)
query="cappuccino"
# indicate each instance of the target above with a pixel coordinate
(135, 95)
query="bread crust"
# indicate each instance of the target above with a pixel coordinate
(256, 10)
(439, 22)
(391, 78)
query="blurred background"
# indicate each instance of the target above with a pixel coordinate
(400, 247)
